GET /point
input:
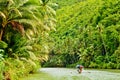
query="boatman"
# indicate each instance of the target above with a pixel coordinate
(79, 68)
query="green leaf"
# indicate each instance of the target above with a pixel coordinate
(3, 44)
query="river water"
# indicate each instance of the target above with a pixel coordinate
(72, 74)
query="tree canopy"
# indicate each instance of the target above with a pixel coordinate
(24, 27)
(88, 34)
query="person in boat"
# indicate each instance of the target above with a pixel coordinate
(79, 68)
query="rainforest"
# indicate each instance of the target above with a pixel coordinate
(58, 33)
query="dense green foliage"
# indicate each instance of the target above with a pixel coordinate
(24, 26)
(88, 33)
(64, 3)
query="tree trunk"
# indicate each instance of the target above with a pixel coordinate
(1, 34)
(104, 50)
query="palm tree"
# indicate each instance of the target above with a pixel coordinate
(21, 15)
(29, 18)
(17, 16)
(32, 18)
(8, 14)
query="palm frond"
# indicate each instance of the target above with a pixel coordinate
(33, 2)
(10, 3)
(17, 26)
(51, 11)
(3, 4)
(3, 19)
(3, 44)
(18, 2)
(14, 11)
(2, 15)
(32, 63)
(32, 55)
(34, 25)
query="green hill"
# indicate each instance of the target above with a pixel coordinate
(88, 33)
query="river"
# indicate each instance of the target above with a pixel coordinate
(72, 74)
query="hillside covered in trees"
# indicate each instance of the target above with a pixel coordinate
(58, 33)
(87, 33)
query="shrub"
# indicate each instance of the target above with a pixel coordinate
(1, 67)
(16, 68)
(104, 66)
(93, 65)
(118, 66)
(110, 65)
(99, 59)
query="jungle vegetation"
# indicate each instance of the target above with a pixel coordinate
(24, 27)
(58, 33)
(87, 33)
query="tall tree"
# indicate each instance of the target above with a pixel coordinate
(31, 18)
